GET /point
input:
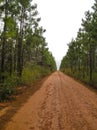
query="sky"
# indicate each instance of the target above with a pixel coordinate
(62, 20)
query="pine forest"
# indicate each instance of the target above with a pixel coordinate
(24, 55)
(81, 58)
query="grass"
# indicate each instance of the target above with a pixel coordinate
(85, 79)
(30, 74)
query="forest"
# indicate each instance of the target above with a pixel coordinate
(81, 59)
(24, 55)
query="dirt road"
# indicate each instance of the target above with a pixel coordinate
(60, 104)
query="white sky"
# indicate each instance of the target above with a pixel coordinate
(61, 19)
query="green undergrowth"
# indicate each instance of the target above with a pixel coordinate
(83, 78)
(30, 74)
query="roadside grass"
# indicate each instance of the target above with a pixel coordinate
(83, 77)
(30, 74)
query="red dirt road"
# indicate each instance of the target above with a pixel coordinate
(60, 104)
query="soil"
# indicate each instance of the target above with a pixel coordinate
(57, 103)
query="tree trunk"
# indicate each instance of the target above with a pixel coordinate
(91, 64)
(4, 44)
(10, 60)
(20, 48)
(19, 57)
(3, 59)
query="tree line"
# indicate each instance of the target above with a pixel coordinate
(81, 58)
(22, 43)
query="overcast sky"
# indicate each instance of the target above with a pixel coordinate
(61, 19)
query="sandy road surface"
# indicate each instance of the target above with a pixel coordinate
(60, 104)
